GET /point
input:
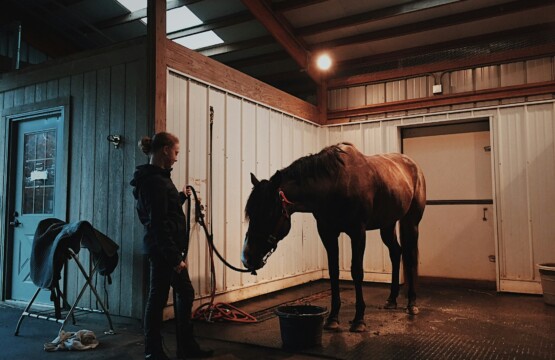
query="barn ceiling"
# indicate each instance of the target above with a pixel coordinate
(277, 41)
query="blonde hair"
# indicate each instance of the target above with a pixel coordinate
(152, 145)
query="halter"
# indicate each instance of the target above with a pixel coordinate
(272, 239)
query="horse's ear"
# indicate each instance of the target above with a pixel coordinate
(254, 180)
(276, 178)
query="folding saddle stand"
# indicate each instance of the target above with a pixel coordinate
(69, 253)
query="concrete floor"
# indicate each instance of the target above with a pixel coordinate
(454, 323)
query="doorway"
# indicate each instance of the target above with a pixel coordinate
(457, 231)
(37, 186)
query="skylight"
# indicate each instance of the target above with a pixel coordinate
(178, 19)
(200, 40)
(133, 5)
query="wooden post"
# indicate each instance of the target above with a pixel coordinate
(322, 98)
(156, 60)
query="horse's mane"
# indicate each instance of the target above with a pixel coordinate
(326, 163)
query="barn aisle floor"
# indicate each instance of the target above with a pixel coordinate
(454, 323)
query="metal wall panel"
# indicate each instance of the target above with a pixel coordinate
(541, 180)
(247, 137)
(356, 97)
(419, 87)
(395, 90)
(514, 242)
(487, 77)
(337, 99)
(513, 74)
(375, 94)
(459, 81)
(539, 70)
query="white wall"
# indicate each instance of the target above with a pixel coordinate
(524, 181)
(247, 137)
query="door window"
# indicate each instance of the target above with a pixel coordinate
(39, 172)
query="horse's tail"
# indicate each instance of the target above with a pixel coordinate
(409, 229)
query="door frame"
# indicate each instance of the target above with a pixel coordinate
(493, 160)
(10, 118)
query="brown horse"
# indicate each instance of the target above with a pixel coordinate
(349, 192)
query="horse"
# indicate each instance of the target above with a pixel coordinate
(346, 191)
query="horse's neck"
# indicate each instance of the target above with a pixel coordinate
(303, 197)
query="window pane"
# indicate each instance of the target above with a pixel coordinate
(39, 172)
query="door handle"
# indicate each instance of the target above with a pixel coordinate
(15, 223)
(485, 218)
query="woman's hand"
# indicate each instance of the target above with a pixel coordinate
(181, 266)
(187, 190)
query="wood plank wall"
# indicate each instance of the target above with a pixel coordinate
(108, 96)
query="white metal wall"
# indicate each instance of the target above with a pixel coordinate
(524, 181)
(247, 137)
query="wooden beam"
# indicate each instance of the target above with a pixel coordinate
(322, 101)
(156, 64)
(200, 67)
(371, 16)
(445, 65)
(288, 5)
(438, 23)
(445, 100)
(281, 31)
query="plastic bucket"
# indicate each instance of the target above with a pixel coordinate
(547, 275)
(301, 325)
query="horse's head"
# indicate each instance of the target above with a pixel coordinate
(269, 221)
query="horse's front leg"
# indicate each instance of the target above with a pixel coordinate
(358, 244)
(332, 249)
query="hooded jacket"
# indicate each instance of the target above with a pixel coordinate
(160, 209)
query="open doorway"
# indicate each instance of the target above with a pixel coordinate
(457, 232)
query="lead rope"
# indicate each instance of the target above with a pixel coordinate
(210, 311)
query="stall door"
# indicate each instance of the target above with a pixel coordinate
(456, 234)
(38, 158)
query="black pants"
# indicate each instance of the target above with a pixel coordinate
(161, 277)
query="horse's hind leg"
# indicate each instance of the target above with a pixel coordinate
(358, 244)
(409, 246)
(389, 237)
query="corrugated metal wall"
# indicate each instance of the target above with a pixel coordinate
(247, 137)
(524, 158)
(457, 81)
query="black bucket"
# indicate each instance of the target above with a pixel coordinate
(301, 325)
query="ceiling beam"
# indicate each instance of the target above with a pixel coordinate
(438, 23)
(288, 5)
(282, 33)
(371, 16)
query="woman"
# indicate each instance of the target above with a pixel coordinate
(166, 242)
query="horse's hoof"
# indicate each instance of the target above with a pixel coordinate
(412, 310)
(358, 326)
(331, 325)
(390, 304)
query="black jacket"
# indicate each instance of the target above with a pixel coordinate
(160, 209)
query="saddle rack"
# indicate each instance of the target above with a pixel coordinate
(58, 296)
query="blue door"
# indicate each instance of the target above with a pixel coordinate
(38, 161)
